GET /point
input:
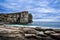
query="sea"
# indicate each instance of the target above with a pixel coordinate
(39, 24)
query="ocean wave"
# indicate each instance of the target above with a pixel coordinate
(44, 27)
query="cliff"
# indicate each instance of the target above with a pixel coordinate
(16, 18)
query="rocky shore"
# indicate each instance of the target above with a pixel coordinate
(28, 33)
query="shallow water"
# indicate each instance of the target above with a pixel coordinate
(40, 24)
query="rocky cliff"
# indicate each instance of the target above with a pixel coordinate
(19, 17)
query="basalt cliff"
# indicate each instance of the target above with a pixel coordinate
(16, 18)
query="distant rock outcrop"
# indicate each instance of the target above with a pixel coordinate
(19, 17)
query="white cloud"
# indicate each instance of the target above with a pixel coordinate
(45, 10)
(42, 3)
(46, 20)
(28, 5)
(39, 8)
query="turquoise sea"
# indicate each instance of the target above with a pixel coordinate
(40, 24)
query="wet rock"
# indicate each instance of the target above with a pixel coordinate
(30, 35)
(11, 34)
(49, 29)
(11, 38)
(56, 36)
(32, 38)
(29, 31)
(57, 30)
(49, 32)
(39, 29)
(47, 38)
(41, 34)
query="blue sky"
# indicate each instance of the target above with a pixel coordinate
(42, 10)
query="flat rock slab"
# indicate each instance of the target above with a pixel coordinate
(29, 35)
(55, 36)
(29, 31)
(57, 30)
(11, 33)
(49, 32)
(47, 38)
(9, 30)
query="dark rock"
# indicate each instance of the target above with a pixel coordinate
(47, 38)
(11, 38)
(43, 29)
(31, 37)
(57, 30)
(30, 18)
(39, 29)
(49, 30)
(56, 36)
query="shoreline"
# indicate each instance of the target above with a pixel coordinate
(44, 27)
(28, 33)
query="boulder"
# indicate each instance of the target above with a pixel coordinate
(10, 38)
(56, 36)
(40, 29)
(11, 34)
(41, 34)
(47, 38)
(57, 30)
(29, 31)
(49, 29)
(49, 32)
(30, 35)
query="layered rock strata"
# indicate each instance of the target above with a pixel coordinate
(16, 18)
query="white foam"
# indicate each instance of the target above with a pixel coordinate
(44, 27)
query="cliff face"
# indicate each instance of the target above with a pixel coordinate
(20, 17)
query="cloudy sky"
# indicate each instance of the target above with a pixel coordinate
(42, 10)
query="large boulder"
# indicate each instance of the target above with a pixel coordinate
(29, 31)
(47, 38)
(49, 32)
(57, 30)
(55, 36)
(11, 34)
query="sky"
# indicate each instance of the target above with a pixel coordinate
(42, 10)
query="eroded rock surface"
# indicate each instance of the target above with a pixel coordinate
(28, 33)
(23, 17)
